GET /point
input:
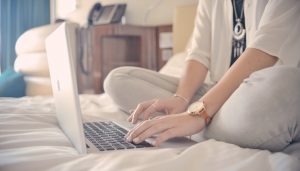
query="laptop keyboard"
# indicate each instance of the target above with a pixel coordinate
(109, 136)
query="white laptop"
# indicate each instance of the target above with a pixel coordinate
(88, 136)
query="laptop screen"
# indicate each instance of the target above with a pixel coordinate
(64, 85)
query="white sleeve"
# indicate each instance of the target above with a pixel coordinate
(201, 40)
(278, 31)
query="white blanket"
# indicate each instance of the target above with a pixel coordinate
(30, 139)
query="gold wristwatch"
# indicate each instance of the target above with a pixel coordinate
(197, 109)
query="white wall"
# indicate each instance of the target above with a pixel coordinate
(64, 7)
(161, 14)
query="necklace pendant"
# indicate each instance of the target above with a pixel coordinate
(239, 31)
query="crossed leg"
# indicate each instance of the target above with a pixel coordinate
(263, 113)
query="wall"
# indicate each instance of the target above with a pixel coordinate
(161, 14)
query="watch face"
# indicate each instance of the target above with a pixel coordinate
(197, 106)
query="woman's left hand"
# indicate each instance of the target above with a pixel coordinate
(166, 127)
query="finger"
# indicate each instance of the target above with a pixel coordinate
(130, 116)
(139, 109)
(167, 134)
(129, 119)
(152, 130)
(149, 111)
(157, 106)
(139, 129)
(135, 127)
(156, 117)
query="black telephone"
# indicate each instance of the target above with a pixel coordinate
(106, 14)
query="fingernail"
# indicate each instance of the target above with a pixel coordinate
(128, 139)
(136, 140)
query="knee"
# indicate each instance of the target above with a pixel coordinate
(121, 85)
(284, 76)
(115, 79)
(263, 112)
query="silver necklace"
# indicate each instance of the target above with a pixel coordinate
(239, 31)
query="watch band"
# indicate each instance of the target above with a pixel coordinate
(203, 114)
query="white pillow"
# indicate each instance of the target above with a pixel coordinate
(33, 40)
(35, 64)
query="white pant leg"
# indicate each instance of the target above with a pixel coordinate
(264, 112)
(293, 149)
(128, 86)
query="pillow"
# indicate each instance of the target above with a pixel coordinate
(263, 113)
(32, 64)
(33, 40)
(12, 84)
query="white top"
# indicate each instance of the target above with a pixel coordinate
(271, 25)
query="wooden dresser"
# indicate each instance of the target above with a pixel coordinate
(115, 45)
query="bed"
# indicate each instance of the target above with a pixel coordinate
(30, 139)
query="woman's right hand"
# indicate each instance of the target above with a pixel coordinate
(145, 110)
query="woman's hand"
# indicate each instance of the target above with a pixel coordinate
(166, 127)
(171, 105)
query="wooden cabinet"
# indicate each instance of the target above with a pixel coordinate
(116, 45)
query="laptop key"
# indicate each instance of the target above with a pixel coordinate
(109, 136)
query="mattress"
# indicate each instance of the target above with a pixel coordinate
(30, 139)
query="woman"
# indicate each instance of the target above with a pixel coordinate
(223, 30)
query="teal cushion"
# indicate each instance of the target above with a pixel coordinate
(12, 84)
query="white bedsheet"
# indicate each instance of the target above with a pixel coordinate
(30, 139)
